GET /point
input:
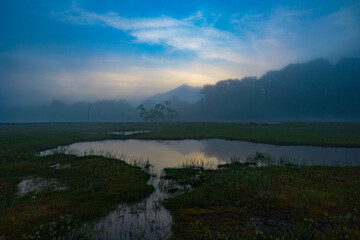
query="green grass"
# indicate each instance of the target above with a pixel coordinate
(100, 184)
(183, 175)
(274, 202)
(95, 185)
(319, 134)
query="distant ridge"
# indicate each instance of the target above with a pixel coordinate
(315, 90)
(184, 93)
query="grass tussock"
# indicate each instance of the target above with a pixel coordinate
(94, 186)
(240, 201)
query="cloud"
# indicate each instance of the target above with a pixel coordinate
(265, 39)
(189, 34)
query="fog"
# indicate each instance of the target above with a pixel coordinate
(82, 61)
(312, 91)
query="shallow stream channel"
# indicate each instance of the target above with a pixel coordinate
(148, 219)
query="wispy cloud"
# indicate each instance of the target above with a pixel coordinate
(189, 34)
(268, 40)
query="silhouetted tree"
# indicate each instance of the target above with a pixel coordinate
(160, 112)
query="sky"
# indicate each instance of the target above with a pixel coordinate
(95, 50)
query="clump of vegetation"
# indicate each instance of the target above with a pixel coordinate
(93, 182)
(239, 201)
(258, 160)
(200, 164)
(65, 228)
(183, 176)
(160, 112)
(144, 164)
(188, 174)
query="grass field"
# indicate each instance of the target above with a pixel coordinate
(97, 183)
(88, 187)
(239, 201)
(319, 134)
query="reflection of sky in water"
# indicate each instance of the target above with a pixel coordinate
(127, 133)
(173, 153)
(160, 153)
(147, 219)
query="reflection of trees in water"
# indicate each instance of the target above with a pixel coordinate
(225, 149)
(308, 155)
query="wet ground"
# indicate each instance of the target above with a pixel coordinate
(149, 219)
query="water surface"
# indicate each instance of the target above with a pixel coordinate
(128, 133)
(175, 152)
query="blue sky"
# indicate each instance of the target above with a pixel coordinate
(92, 50)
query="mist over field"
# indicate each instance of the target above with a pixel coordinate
(316, 90)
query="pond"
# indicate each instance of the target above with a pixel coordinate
(149, 219)
(173, 153)
(128, 133)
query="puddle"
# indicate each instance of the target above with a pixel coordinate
(127, 133)
(147, 219)
(36, 185)
(59, 166)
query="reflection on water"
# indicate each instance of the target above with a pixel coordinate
(144, 220)
(173, 153)
(149, 219)
(127, 133)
